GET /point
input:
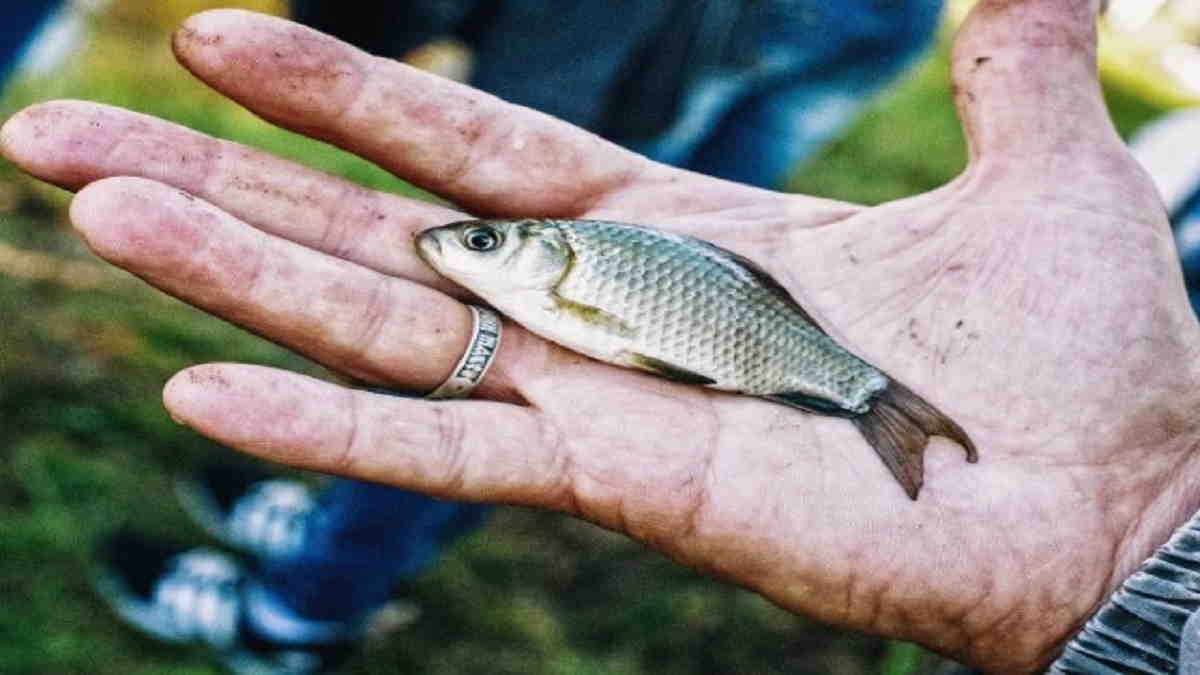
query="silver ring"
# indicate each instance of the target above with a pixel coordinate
(485, 342)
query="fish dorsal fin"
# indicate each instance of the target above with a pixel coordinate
(763, 277)
(663, 369)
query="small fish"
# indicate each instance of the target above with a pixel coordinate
(684, 309)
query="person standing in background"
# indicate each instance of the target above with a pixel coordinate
(737, 89)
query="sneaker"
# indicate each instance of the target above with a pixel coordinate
(248, 510)
(256, 513)
(196, 596)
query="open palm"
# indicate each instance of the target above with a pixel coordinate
(1035, 300)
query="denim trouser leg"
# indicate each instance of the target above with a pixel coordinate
(762, 137)
(1186, 223)
(812, 78)
(361, 540)
(21, 21)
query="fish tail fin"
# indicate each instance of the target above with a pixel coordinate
(898, 427)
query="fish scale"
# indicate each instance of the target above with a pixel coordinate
(687, 307)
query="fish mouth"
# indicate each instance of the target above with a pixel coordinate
(428, 246)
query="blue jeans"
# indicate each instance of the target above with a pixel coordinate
(1186, 223)
(808, 67)
(21, 21)
(809, 80)
(738, 89)
(361, 540)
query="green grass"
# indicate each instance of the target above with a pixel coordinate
(87, 446)
(908, 142)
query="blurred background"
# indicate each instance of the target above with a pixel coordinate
(85, 349)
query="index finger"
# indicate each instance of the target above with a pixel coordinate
(488, 156)
(468, 146)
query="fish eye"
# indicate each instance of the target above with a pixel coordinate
(481, 238)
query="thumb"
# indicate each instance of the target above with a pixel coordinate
(1027, 87)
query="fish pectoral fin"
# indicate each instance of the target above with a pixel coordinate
(663, 369)
(593, 315)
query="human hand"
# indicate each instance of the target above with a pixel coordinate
(1035, 299)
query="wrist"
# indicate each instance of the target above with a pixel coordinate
(1144, 626)
(1138, 503)
(1153, 606)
